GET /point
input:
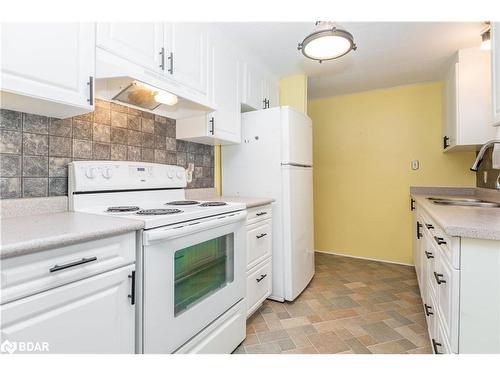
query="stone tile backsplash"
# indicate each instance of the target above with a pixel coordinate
(492, 174)
(35, 150)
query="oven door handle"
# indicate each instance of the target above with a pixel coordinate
(181, 230)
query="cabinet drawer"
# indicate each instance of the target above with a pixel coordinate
(259, 242)
(259, 286)
(440, 343)
(29, 274)
(259, 213)
(431, 314)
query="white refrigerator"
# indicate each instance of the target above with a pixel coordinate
(274, 160)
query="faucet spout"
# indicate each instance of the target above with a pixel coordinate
(480, 155)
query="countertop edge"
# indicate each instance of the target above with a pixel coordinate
(453, 230)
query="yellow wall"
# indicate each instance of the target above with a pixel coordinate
(293, 92)
(363, 145)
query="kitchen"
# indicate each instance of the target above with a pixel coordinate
(250, 187)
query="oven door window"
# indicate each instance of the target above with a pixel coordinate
(201, 270)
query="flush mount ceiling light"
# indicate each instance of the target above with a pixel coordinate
(327, 42)
(486, 37)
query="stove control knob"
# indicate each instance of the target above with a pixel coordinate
(179, 174)
(90, 173)
(107, 173)
(170, 173)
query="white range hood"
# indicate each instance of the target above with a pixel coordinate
(116, 79)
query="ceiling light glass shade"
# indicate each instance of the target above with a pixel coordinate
(327, 42)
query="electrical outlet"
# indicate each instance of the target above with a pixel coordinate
(415, 165)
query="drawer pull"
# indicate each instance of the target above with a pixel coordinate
(435, 345)
(427, 307)
(262, 277)
(429, 226)
(259, 236)
(261, 213)
(429, 255)
(439, 240)
(438, 276)
(72, 264)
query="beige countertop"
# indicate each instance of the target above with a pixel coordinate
(462, 221)
(28, 234)
(211, 194)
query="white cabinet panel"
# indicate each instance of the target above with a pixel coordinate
(259, 286)
(94, 315)
(186, 55)
(467, 112)
(140, 43)
(259, 242)
(52, 63)
(258, 90)
(495, 71)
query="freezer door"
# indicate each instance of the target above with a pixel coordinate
(296, 137)
(298, 229)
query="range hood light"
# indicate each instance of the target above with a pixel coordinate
(145, 96)
(164, 97)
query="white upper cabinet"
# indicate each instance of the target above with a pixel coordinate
(467, 104)
(48, 68)
(140, 43)
(223, 126)
(258, 90)
(495, 71)
(186, 60)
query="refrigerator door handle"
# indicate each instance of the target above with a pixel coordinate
(298, 165)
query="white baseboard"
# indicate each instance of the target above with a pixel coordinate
(364, 258)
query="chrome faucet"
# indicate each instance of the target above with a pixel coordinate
(480, 155)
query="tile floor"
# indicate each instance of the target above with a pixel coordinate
(351, 306)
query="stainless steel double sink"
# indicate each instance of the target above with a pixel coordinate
(472, 202)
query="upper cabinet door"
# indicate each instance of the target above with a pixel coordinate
(140, 43)
(253, 95)
(272, 93)
(186, 55)
(495, 70)
(224, 92)
(49, 62)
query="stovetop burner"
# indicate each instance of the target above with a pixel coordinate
(123, 209)
(213, 204)
(182, 203)
(159, 211)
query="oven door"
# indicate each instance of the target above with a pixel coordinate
(193, 273)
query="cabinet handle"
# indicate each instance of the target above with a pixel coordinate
(212, 125)
(428, 254)
(171, 59)
(262, 277)
(162, 54)
(132, 288)
(261, 213)
(429, 226)
(259, 236)
(265, 103)
(419, 235)
(445, 142)
(438, 276)
(412, 204)
(439, 240)
(72, 264)
(435, 345)
(90, 83)
(427, 312)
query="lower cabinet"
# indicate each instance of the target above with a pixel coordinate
(89, 314)
(458, 281)
(259, 257)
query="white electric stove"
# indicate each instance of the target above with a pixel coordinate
(190, 259)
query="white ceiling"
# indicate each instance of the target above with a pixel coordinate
(388, 54)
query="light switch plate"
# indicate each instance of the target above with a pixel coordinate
(415, 165)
